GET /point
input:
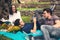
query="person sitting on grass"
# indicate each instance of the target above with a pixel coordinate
(51, 26)
(13, 15)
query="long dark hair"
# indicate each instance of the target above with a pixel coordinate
(10, 10)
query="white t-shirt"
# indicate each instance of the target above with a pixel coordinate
(13, 17)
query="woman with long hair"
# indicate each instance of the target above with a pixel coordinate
(14, 14)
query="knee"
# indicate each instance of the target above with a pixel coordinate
(42, 27)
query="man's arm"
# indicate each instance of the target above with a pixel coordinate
(57, 25)
(34, 28)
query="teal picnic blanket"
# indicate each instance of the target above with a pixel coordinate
(17, 36)
(37, 33)
(21, 35)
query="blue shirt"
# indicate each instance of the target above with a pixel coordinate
(27, 27)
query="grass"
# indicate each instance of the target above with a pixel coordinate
(26, 19)
(30, 9)
(34, 3)
(38, 3)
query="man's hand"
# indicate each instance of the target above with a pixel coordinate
(57, 25)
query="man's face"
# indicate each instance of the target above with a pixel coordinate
(45, 14)
(21, 23)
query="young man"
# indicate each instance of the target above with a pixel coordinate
(26, 27)
(51, 25)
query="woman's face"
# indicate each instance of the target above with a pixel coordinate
(13, 8)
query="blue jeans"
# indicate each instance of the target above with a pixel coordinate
(50, 30)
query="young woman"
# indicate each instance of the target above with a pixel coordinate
(14, 14)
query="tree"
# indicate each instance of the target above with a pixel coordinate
(4, 8)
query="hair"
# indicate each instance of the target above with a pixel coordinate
(48, 10)
(10, 10)
(17, 22)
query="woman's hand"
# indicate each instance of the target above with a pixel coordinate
(33, 31)
(34, 28)
(34, 19)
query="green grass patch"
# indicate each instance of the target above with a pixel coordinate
(26, 19)
(28, 9)
(38, 3)
(35, 3)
